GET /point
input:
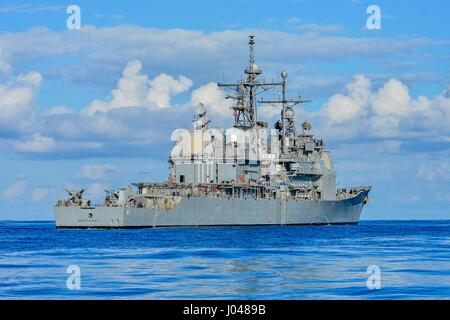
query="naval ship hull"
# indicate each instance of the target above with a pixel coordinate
(193, 211)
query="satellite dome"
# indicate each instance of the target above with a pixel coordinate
(255, 67)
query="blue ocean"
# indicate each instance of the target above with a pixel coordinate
(412, 259)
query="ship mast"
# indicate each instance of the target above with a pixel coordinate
(287, 125)
(252, 71)
(245, 109)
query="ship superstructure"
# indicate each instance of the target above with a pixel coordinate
(244, 175)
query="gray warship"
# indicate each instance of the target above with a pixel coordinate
(244, 175)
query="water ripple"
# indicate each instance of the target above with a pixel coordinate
(231, 262)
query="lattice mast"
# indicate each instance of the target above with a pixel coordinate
(287, 124)
(245, 109)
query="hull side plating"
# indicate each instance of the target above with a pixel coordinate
(216, 212)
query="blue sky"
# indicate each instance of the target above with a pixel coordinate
(95, 107)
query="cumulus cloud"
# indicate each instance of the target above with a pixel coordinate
(139, 114)
(389, 112)
(362, 111)
(128, 130)
(164, 86)
(137, 90)
(340, 108)
(213, 98)
(126, 120)
(16, 189)
(394, 98)
(17, 95)
(96, 171)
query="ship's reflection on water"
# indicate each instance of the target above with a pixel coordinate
(235, 263)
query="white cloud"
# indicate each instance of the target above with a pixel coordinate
(113, 132)
(122, 120)
(15, 190)
(40, 194)
(446, 92)
(17, 95)
(5, 67)
(191, 52)
(436, 172)
(359, 112)
(31, 79)
(96, 171)
(59, 110)
(163, 87)
(37, 143)
(213, 98)
(340, 108)
(394, 98)
(390, 112)
(137, 90)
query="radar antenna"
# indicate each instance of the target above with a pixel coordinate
(245, 109)
(201, 119)
(287, 125)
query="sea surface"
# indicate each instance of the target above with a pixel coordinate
(291, 262)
